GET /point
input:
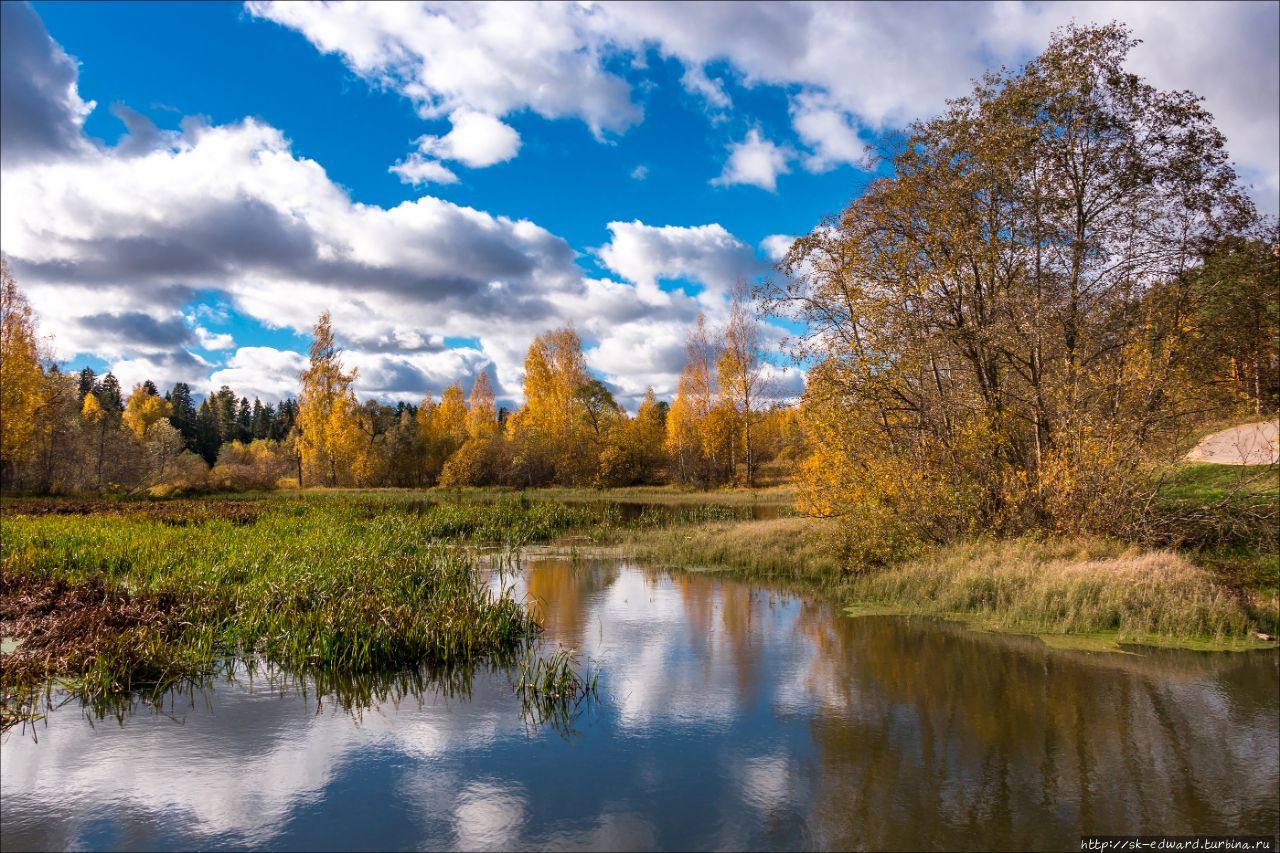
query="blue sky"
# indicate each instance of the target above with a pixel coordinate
(616, 167)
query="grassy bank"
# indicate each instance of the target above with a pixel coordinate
(1089, 593)
(115, 596)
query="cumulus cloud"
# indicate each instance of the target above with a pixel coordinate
(496, 58)
(265, 372)
(870, 65)
(41, 112)
(755, 161)
(646, 254)
(213, 340)
(830, 133)
(232, 208)
(417, 169)
(476, 140)
(130, 252)
(711, 91)
(164, 368)
(776, 246)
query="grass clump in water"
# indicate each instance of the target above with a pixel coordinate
(116, 601)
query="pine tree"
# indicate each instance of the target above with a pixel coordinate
(184, 416)
(88, 379)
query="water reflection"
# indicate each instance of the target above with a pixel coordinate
(728, 718)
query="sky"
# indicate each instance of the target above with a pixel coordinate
(185, 187)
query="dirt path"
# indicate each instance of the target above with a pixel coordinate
(1250, 444)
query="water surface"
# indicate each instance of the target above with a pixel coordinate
(728, 717)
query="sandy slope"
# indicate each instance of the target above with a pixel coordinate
(1250, 444)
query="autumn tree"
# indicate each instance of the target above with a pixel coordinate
(560, 403)
(633, 452)
(1237, 318)
(741, 374)
(21, 378)
(144, 409)
(482, 411)
(699, 438)
(987, 349)
(327, 428)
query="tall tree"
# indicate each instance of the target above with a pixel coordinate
(327, 427)
(482, 413)
(183, 417)
(741, 373)
(555, 417)
(987, 349)
(21, 377)
(87, 380)
(695, 438)
(110, 396)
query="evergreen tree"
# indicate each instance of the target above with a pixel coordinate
(244, 421)
(109, 396)
(88, 379)
(260, 427)
(208, 437)
(183, 418)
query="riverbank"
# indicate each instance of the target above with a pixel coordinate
(1082, 593)
(112, 596)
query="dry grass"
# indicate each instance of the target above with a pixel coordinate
(1083, 592)
(796, 550)
(1069, 587)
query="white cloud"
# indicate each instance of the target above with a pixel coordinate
(776, 246)
(265, 372)
(213, 340)
(755, 161)
(639, 173)
(132, 256)
(830, 133)
(496, 58)
(164, 369)
(416, 169)
(873, 65)
(645, 254)
(711, 91)
(476, 140)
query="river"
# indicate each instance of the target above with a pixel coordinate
(727, 717)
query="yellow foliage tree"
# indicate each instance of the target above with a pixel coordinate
(20, 377)
(557, 416)
(482, 411)
(328, 431)
(696, 441)
(1000, 325)
(144, 409)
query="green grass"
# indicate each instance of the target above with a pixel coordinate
(1207, 483)
(115, 595)
(1226, 519)
(119, 599)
